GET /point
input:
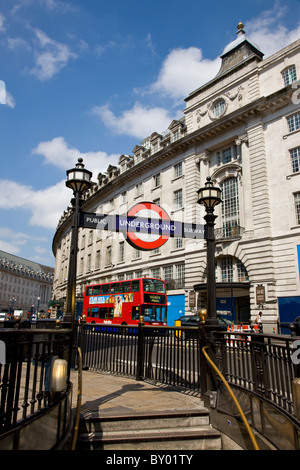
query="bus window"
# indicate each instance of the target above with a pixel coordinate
(96, 290)
(135, 313)
(110, 313)
(93, 312)
(115, 288)
(125, 286)
(103, 312)
(135, 286)
(105, 288)
(89, 290)
(153, 285)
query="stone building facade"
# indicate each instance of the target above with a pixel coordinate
(242, 129)
(24, 284)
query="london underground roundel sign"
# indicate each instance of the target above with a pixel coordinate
(151, 226)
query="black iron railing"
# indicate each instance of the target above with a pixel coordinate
(263, 364)
(168, 355)
(26, 387)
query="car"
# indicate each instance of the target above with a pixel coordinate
(295, 327)
(3, 316)
(193, 320)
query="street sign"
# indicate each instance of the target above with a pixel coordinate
(146, 226)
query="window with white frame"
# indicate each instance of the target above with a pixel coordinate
(230, 205)
(178, 243)
(219, 108)
(242, 272)
(97, 261)
(124, 197)
(297, 206)
(139, 189)
(156, 179)
(121, 252)
(293, 122)
(289, 75)
(295, 159)
(108, 255)
(178, 199)
(155, 272)
(227, 269)
(178, 170)
(180, 272)
(89, 260)
(168, 273)
(227, 155)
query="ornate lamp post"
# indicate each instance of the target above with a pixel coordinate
(210, 197)
(79, 180)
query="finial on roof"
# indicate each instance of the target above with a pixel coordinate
(240, 26)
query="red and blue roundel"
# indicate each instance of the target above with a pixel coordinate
(151, 226)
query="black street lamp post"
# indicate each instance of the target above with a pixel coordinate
(79, 180)
(210, 197)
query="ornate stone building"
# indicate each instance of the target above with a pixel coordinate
(242, 129)
(24, 284)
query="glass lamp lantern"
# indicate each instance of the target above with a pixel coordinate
(209, 195)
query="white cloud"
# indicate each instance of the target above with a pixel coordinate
(50, 56)
(183, 71)
(2, 25)
(268, 32)
(12, 242)
(58, 153)
(139, 121)
(46, 205)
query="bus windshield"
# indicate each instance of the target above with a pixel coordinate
(153, 285)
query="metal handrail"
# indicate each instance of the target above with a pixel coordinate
(249, 430)
(79, 395)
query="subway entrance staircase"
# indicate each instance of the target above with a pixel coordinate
(164, 430)
(119, 413)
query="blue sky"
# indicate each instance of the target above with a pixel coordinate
(92, 78)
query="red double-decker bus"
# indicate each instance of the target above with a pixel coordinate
(124, 302)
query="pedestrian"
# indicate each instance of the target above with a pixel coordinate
(258, 321)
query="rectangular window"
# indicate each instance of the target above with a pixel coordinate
(155, 272)
(139, 189)
(121, 252)
(230, 206)
(157, 180)
(295, 158)
(178, 170)
(97, 263)
(168, 273)
(178, 199)
(123, 197)
(108, 255)
(178, 243)
(227, 269)
(294, 122)
(297, 207)
(289, 75)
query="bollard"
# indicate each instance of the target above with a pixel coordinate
(177, 332)
(296, 396)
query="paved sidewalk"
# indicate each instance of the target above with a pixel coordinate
(111, 394)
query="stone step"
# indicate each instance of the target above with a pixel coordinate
(150, 420)
(163, 430)
(187, 438)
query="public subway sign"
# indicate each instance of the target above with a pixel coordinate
(146, 226)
